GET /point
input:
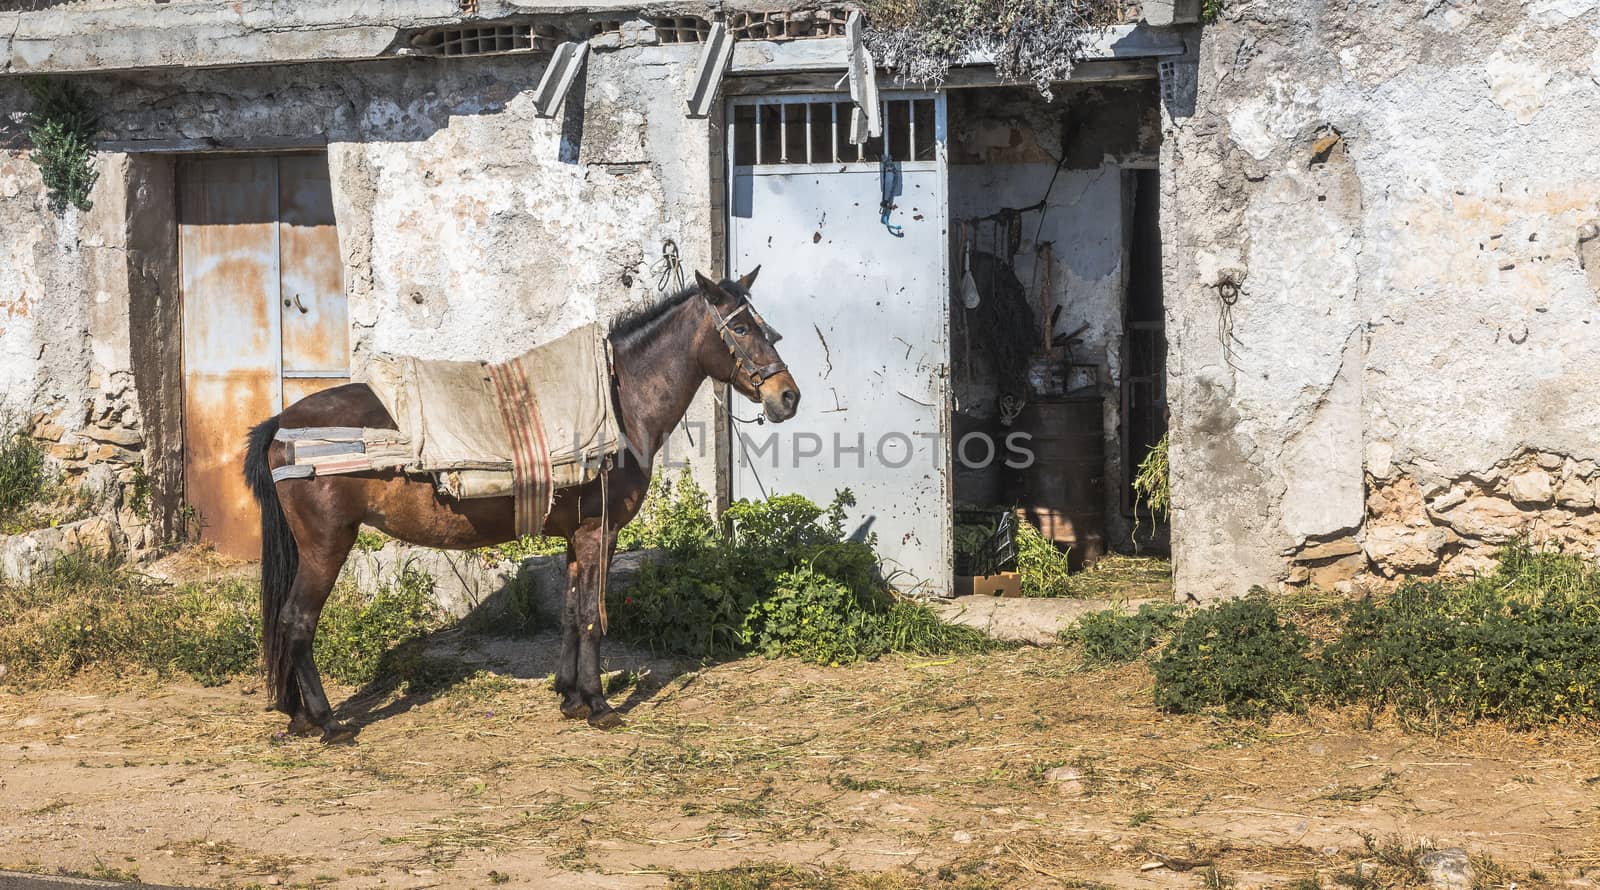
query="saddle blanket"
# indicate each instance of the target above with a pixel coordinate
(526, 427)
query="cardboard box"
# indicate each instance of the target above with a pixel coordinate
(1002, 584)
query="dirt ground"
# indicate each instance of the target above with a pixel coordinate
(1021, 767)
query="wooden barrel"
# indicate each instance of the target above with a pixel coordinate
(1063, 492)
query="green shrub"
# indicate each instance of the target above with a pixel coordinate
(1521, 645)
(1240, 656)
(1032, 40)
(1115, 636)
(61, 127)
(22, 476)
(1043, 569)
(89, 611)
(676, 515)
(778, 577)
(814, 617)
(356, 631)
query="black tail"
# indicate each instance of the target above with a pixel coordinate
(280, 559)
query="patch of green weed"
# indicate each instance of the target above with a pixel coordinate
(1240, 656)
(779, 577)
(1115, 636)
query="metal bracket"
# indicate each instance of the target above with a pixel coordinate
(714, 59)
(559, 75)
(867, 119)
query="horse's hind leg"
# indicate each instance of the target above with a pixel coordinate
(320, 562)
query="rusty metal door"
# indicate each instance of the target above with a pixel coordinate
(316, 332)
(263, 319)
(862, 300)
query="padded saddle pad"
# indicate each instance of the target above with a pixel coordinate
(526, 427)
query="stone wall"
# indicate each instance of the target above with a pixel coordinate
(469, 227)
(1382, 300)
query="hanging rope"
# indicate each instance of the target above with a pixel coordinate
(669, 269)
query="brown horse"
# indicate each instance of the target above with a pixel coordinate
(661, 355)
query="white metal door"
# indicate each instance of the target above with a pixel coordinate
(862, 301)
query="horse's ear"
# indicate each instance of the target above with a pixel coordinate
(749, 278)
(711, 289)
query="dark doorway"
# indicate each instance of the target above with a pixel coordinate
(1144, 350)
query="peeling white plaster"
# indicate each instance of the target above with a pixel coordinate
(1558, 12)
(1517, 84)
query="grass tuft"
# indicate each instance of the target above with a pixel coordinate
(90, 612)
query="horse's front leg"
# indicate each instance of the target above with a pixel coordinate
(573, 707)
(594, 544)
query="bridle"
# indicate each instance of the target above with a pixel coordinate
(758, 374)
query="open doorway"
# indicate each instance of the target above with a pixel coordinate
(1056, 319)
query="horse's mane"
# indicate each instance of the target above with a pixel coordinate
(636, 319)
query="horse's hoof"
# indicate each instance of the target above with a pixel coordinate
(338, 734)
(577, 711)
(606, 720)
(300, 726)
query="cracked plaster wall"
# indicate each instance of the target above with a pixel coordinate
(1399, 191)
(469, 227)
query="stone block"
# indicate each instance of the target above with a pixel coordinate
(48, 432)
(115, 453)
(1448, 869)
(116, 436)
(1328, 550)
(66, 452)
(1490, 519)
(1575, 494)
(1531, 487)
(1399, 549)
(1328, 575)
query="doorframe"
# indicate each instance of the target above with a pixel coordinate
(794, 93)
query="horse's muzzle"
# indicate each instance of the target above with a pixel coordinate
(780, 398)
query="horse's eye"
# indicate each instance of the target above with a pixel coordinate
(740, 330)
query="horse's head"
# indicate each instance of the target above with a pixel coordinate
(750, 362)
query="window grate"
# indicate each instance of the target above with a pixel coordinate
(681, 29)
(788, 25)
(786, 132)
(606, 27)
(487, 40)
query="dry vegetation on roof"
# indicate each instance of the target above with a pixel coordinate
(1036, 41)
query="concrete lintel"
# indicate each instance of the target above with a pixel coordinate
(209, 33)
(209, 143)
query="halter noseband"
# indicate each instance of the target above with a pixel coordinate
(758, 374)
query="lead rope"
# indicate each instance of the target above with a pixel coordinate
(606, 463)
(605, 534)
